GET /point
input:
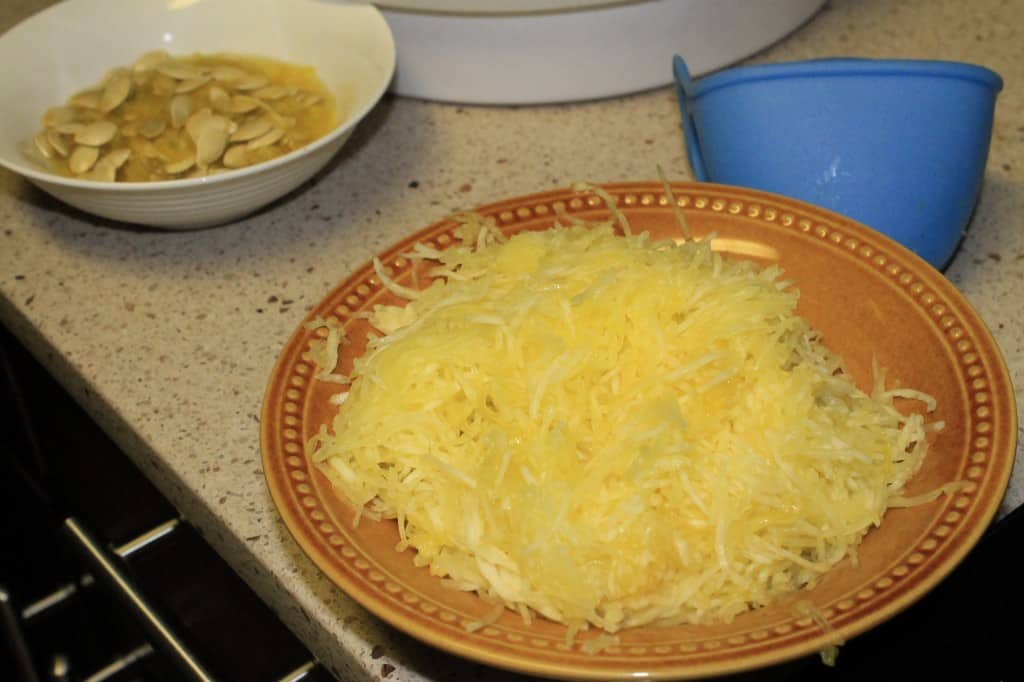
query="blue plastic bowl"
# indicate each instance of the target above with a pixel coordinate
(897, 145)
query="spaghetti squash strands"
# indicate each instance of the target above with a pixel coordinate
(613, 432)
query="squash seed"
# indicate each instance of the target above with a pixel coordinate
(150, 60)
(101, 173)
(163, 86)
(149, 151)
(181, 109)
(57, 141)
(178, 167)
(252, 129)
(179, 71)
(252, 82)
(115, 92)
(228, 73)
(95, 134)
(266, 139)
(191, 84)
(82, 159)
(72, 128)
(116, 158)
(195, 122)
(153, 128)
(90, 99)
(271, 92)
(243, 104)
(211, 141)
(219, 98)
(43, 145)
(236, 156)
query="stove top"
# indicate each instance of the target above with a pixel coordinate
(100, 579)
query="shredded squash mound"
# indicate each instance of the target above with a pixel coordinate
(614, 432)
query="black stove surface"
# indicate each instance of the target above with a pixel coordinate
(56, 464)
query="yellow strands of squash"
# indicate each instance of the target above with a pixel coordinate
(324, 352)
(614, 432)
(830, 653)
(599, 644)
(899, 501)
(492, 617)
(677, 212)
(609, 201)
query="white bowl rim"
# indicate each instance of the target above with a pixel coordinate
(347, 125)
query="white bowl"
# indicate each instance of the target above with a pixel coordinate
(571, 50)
(71, 45)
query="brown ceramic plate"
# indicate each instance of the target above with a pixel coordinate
(867, 294)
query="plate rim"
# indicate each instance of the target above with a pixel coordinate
(692, 196)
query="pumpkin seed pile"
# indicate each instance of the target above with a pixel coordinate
(168, 117)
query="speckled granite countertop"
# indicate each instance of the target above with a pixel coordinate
(168, 338)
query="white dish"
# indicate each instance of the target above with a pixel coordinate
(491, 6)
(71, 45)
(590, 51)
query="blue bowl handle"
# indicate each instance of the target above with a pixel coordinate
(684, 92)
